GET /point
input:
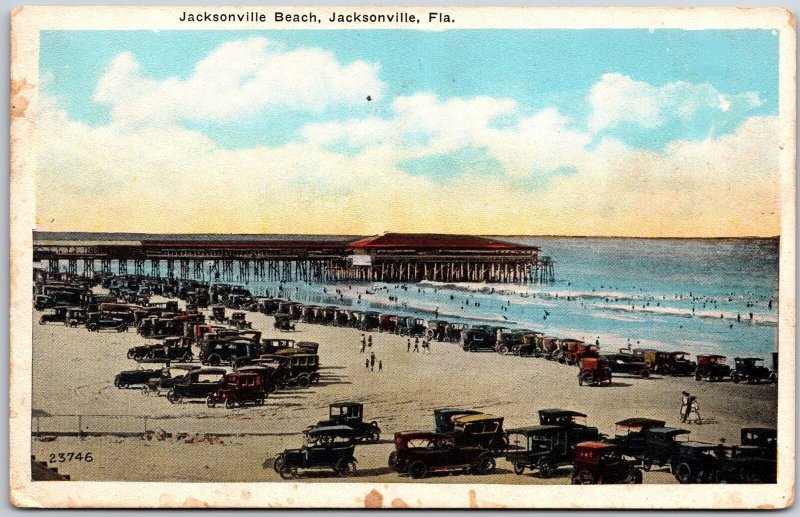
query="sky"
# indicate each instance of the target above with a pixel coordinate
(649, 133)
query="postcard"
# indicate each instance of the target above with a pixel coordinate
(338, 257)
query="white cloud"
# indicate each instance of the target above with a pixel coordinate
(235, 79)
(618, 99)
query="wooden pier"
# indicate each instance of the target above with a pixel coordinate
(392, 257)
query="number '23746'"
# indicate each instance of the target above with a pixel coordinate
(63, 457)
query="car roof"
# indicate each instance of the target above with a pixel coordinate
(760, 430)
(748, 359)
(595, 445)
(477, 418)
(698, 445)
(556, 412)
(717, 356)
(533, 429)
(640, 422)
(669, 431)
(210, 370)
(421, 434)
(341, 430)
(456, 410)
(346, 404)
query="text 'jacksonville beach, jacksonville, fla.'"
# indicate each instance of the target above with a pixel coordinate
(396, 18)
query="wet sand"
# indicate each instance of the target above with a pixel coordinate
(73, 372)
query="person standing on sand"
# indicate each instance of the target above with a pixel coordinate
(372, 361)
(409, 345)
(416, 345)
(380, 366)
(366, 363)
(369, 341)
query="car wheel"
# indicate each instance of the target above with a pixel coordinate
(92, 328)
(230, 403)
(736, 378)
(117, 381)
(287, 472)
(41, 321)
(303, 381)
(683, 473)
(698, 377)
(271, 387)
(545, 469)
(259, 402)
(214, 360)
(773, 378)
(146, 391)
(211, 401)
(588, 378)
(130, 354)
(644, 374)
(314, 378)
(584, 477)
(485, 465)
(503, 350)
(173, 397)
(276, 463)
(519, 469)
(418, 470)
(635, 477)
(392, 460)
(346, 469)
(647, 464)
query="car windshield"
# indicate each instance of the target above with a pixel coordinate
(418, 442)
(610, 455)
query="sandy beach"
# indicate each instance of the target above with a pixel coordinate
(73, 372)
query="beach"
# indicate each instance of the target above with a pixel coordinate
(73, 372)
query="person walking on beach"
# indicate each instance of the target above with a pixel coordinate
(409, 345)
(372, 361)
(380, 366)
(369, 342)
(366, 363)
(363, 342)
(416, 345)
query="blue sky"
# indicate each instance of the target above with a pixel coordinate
(537, 68)
(653, 133)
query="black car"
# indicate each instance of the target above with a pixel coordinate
(333, 450)
(59, 315)
(764, 439)
(660, 444)
(228, 350)
(543, 448)
(696, 462)
(573, 421)
(627, 364)
(477, 339)
(350, 414)
(283, 322)
(749, 369)
(163, 384)
(197, 384)
(629, 435)
(135, 378)
(97, 321)
(173, 349)
(443, 418)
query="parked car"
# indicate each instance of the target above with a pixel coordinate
(197, 384)
(59, 315)
(477, 339)
(218, 314)
(156, 327)
(240, 388)
(660, 444)
(388, 323)
(749, 369)
(239, 320)
(696, 462)
(96, 321)
(764, 439)
(543, 448)
(443, 418)
(666, 363)
(576, 350)
(350, 414)
(601, 463)
(163, 384)
(333, 450)
(75, 316)
(593, 371)
(228, 350)
(411, 326)
(575, 423)
(135, 378)
(479, 430)
(420, 453)
(368, 320)
(436, 330)
(711, 367)
(629, 435)
(283, 322)
(173, 349)
(627, 364)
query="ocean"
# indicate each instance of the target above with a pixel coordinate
(696, 295)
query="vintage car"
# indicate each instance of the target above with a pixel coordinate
(742, 464)
(765, 439)
(59, 315)
(368, 320)
(542, 448)
(239, 320)
(436, 330)
(507, 340)
(197, 384)
(601, 463)
(299, 347)
(443, 418)
(572, 350)
(452, 333)
(711, 367)
(267, 371)
(283, 322)
(478, 338)
(333, 450)
(156, 327)
(295, 370)
(241, 388)
(627, 364)
(308, 313)
(666, 363)
(593, 371)
(135, 378)
(388, 323)
(218, 314)
(341, 318)
(660, 444)
(327, 315)
(161, 385)
(173, 349)
(748, 369)
(96, 321)
(548, 346)
(75, 316)
(411, 326)
(481, 430)
(350, 414)
(420, 453)
(527, 344)
(272, 345)
(42, 302)
(230, 350)
(574, 421)
(697, 462)
(629, 435)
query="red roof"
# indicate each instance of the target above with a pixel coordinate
(433, 241)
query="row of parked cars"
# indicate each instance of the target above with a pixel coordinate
(470, 441)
